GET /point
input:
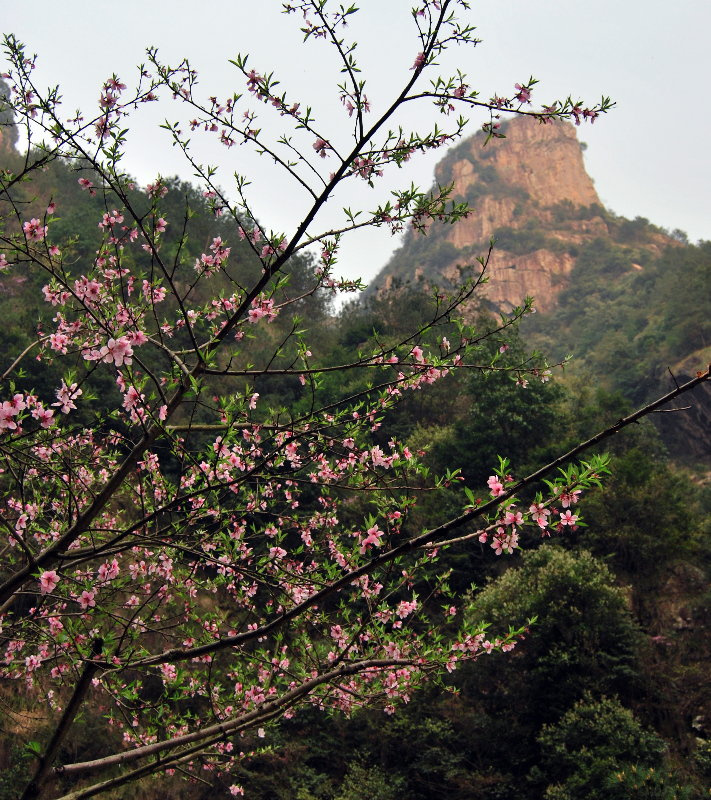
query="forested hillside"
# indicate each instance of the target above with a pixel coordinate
(626, 299)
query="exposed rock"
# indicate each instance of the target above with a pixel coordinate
(539, 274)
(544, 160)
(531, 192)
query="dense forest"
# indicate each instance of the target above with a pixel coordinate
(608, 697)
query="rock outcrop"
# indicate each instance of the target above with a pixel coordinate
(530, 192)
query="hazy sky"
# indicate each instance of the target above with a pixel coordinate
(649, 156)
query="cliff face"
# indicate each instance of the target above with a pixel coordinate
(531, 192)
(543, 161)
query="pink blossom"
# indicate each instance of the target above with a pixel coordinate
(157, 189)
(118, 351)
(32, 663)
(321, 146)
(524, 94)
(107, 572)
(66, 395)
(419, 61)
(34, 230)
(495, 486)
(513, 518)
(379, 459)
(405, 608)
(86, 184)
(418, 354)
(539, 513)
(261, 307)
(568, 518)
(254, 236)
(160, 225)
(111, 219)
(138, 337)
(7, 415)
(132, 398)
(373, 538)
(569, 498)
(43, 415)
(48, 581)
(18, 403)
(86, 600)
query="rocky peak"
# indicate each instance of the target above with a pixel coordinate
(531, 192)
(543, 161)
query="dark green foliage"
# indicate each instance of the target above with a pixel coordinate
(496, 417)
(520, 241)
(599, 751)
(567, 211)
(624, 323)
(648, 518)
(584, 638)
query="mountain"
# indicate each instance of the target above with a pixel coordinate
(531, 192)
(624, 297)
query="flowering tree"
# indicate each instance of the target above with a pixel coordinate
(187, 561)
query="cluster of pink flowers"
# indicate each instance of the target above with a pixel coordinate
(87, 185)
(48, 581)
(252, 236)
(34, 230)
(157, 189)
(86, 600)
(153, 294)
(272, 250)
(207, 264)
(55, 296)
(366, 168)
(523, 93)
(66, 395)
(262, 308)
(496, 488)
(405, 608)
(110, 219)
(352, 104)
(373, 538)
(108, 571)
(321, 146)
(9, 411)
(86, 290)
(115, 351)
(539, 514)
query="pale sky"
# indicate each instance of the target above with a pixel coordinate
(648, 157)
